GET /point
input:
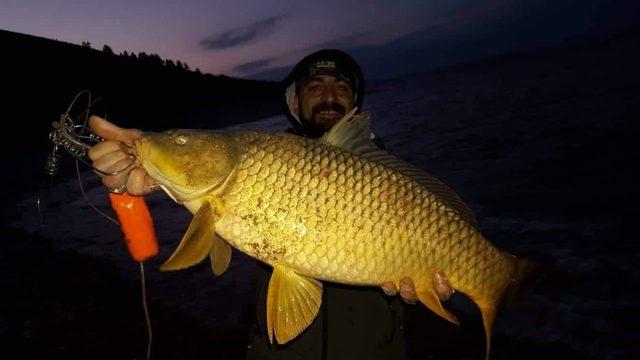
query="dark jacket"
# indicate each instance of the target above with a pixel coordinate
(353, 323)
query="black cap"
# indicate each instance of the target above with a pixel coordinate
(330, 62)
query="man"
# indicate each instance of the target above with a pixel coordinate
(354, 322)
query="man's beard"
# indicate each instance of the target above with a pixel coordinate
(328, 107)
(316, 120)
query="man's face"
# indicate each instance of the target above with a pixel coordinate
(323, 100)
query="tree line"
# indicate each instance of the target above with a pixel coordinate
(142, 58)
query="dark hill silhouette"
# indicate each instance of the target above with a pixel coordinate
(143, 89)
(42, 76)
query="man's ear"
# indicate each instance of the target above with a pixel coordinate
(294, 105)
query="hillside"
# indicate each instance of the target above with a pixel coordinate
(43, 76)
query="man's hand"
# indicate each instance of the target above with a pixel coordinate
(112, 155)
(408, 291)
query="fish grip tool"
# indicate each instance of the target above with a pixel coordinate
(75, 139)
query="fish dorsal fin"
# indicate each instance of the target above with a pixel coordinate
(220, 255)
(196, 242)
(350, 133)
(293, 301)
(438, 187)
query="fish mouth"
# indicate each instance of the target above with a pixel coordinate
(175, 191)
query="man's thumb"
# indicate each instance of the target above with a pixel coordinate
(110, 131)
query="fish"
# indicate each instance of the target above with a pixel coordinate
(334, 209)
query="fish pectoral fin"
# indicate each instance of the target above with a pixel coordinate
(220, 255)
(351, 133)
(196, 242)
(293, 301)
(430, 298)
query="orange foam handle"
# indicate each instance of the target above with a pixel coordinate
(136, 224)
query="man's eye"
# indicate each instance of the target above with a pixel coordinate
(314, 88)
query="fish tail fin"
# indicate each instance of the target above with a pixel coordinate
(526, 274)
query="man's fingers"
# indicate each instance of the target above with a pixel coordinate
(150, 183)
(101, 149)
(123, 169)
(110, 131)
(139, 183)
(112, 156)
(389, 288)
(407, 291)
(442, 287)
(122, 166)
(106, 162)
(115, 181)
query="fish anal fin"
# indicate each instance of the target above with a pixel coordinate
(293, 301)
(196, 242)
(430, 298)
(220, 255)
(488, 311)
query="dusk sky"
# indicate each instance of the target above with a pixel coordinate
(262, 39)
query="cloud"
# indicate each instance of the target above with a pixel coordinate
(252, 66)
(260, 70)
(242, 35)
(275, 73)
(341, 42)
(515, 29)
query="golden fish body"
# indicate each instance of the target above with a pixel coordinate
(334, 216)
(322, 209)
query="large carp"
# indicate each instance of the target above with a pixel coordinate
(334, 209)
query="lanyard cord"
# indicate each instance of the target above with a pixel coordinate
(146, 311)
(142, 277)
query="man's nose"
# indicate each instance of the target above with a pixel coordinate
(329, 94)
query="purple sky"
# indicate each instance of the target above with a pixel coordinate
(263, 38)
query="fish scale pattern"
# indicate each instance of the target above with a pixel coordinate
(334, 216)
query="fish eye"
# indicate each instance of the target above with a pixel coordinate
(181, 140)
